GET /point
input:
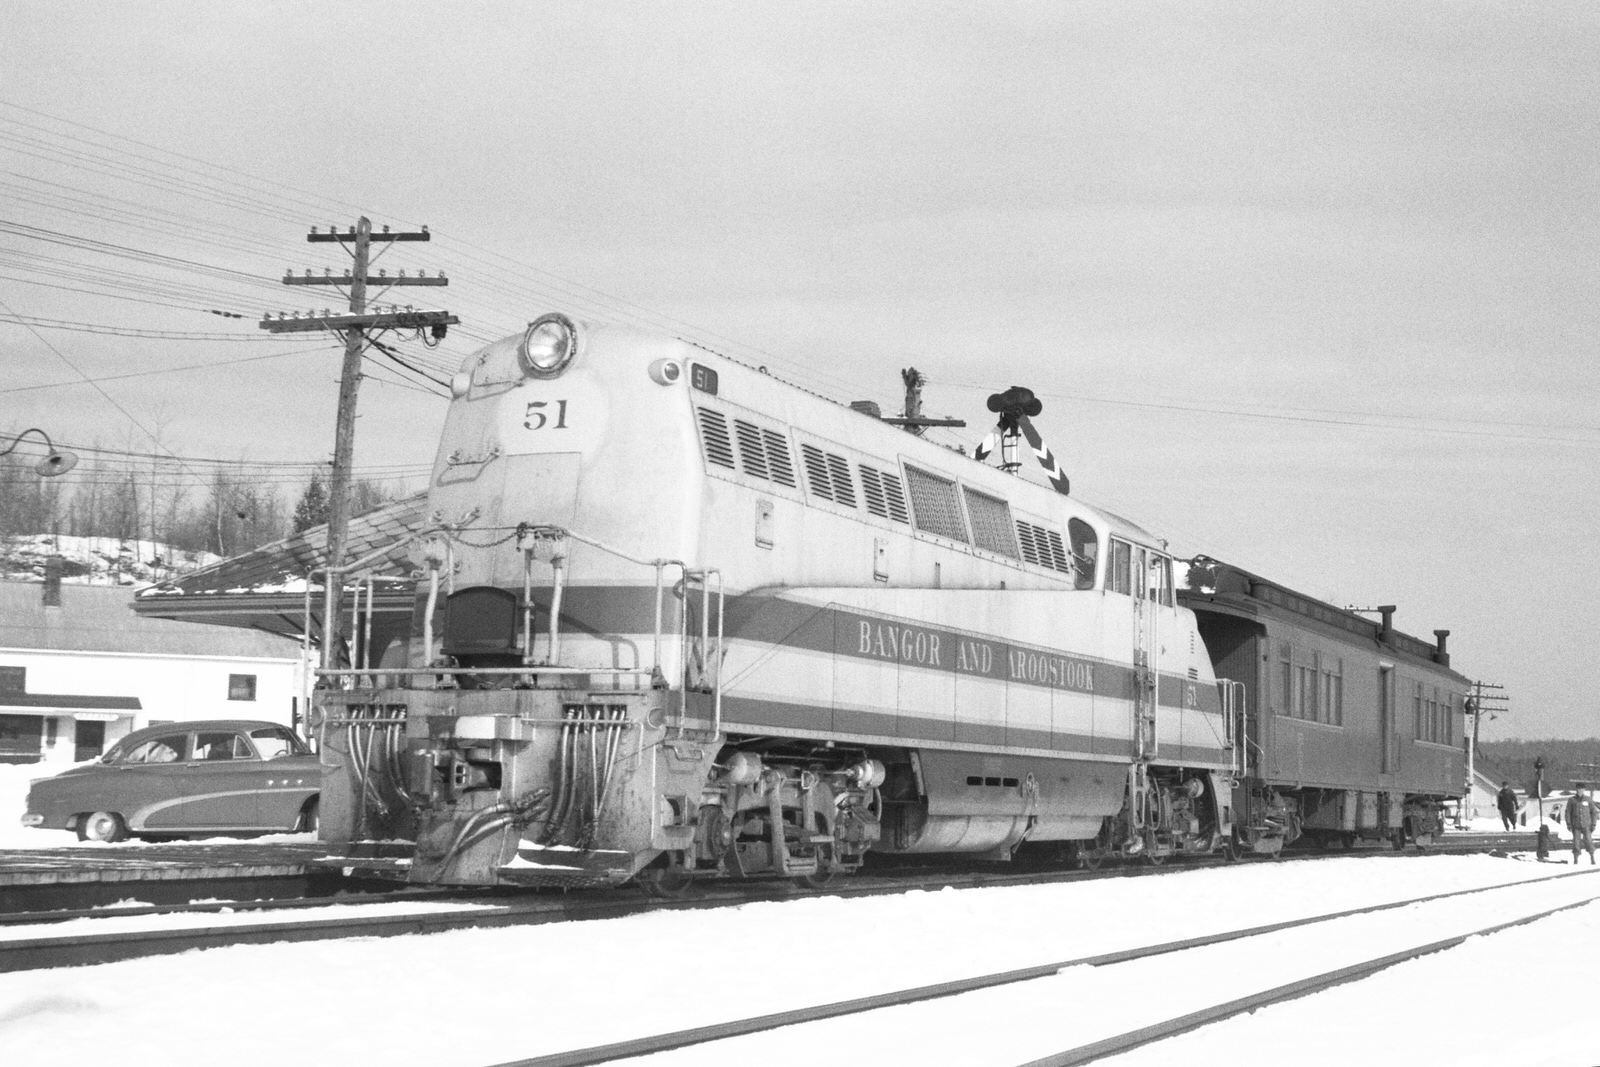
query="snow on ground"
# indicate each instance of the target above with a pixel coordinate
(14, 781)
(492, 995)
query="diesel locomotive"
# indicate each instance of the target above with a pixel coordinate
(677, 618)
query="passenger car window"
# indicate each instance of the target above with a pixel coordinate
(155, 750)
(275, 741)
(218, 746)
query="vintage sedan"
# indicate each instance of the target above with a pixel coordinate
(223, 777)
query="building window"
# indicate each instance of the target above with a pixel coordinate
(241, 687)
(13, 679)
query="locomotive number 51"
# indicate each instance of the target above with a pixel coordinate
(534, 419)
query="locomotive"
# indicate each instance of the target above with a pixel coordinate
(677, 618)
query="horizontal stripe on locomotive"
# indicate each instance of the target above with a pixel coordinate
(765, 620)
(772, 621)
(860, 725)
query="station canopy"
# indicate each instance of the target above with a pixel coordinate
(266, 589)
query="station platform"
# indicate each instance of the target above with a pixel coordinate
(100, 875)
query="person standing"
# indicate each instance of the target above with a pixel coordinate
(1506, 800)
(1580, 823)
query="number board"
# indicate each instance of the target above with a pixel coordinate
(703, 378)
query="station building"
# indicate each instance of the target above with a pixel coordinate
(80, 669)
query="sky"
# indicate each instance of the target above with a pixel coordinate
(1304, 287)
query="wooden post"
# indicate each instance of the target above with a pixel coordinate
(355, 339)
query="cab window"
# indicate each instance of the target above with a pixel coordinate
(1119, 568)
(1159, 580)
(1085, 550)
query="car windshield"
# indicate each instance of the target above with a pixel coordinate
(275, 741)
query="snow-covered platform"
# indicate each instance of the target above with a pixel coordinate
(96, 875)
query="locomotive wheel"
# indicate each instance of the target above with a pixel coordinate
(665, 879)
(823, 874)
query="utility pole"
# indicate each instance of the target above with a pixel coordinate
(911, 419)
(1476, 705)
(355, 327)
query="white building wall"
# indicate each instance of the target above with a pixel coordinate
(169, 688)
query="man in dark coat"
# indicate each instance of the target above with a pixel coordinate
(1580, 822)
(1506, 799)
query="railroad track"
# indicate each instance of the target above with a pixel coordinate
(24, 944)
(1545, 903)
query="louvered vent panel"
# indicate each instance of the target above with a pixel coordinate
(844, 488)
(1043, 547)
(778, 460)
(872, 489)
(752, 450)
(895, 497)
(714, 436)
(1028, 543)
(817, 472)
(1058, 553)
(991, 523)
(934, 504)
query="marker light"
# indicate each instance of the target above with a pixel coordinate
(460, 383)
(665, 371)
(548, 346)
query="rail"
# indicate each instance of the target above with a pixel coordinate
(1094, 1050)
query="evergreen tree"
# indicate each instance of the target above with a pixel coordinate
(313, 507)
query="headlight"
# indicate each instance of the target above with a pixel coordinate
(548, 346)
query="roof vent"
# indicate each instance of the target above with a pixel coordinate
(867, 407)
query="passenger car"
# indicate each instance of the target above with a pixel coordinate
(220, 776)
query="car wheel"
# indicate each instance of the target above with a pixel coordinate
(104, 826)
(308, 822)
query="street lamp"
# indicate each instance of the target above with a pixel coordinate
(1542, 843)
(54, 462)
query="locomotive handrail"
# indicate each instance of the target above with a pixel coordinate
(343, 672)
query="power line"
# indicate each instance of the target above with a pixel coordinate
(167, 370)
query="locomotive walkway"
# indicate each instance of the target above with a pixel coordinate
(1526, 902)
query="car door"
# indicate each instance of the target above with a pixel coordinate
(148, 788)
(221, 780)
(292, 776)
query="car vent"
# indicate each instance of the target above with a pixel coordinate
(991, 523)
(885, 497)
(714, 436)
(1042, 547)
(829, 476)
(934, 504)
